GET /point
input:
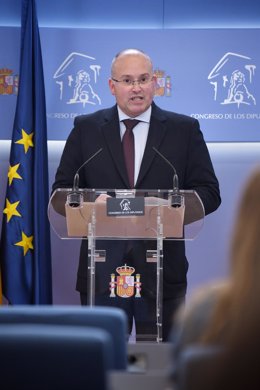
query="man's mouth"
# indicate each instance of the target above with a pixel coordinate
(135, 98)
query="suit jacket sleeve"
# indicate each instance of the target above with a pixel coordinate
(200, 175)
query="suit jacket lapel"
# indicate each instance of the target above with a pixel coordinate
(111, 132)
(156, 134)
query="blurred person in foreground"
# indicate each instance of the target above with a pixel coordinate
(227, 314)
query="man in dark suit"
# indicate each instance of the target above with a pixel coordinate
(178, 138)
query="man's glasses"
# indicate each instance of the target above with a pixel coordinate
(127, 82)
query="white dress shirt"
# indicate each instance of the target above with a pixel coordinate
(140, 135)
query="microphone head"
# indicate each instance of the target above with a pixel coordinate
(176, 200)
(75, 199)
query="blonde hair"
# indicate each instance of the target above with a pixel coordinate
(238, 306)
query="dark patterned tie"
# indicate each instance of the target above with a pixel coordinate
(128, 142)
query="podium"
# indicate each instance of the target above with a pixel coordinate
(125, 232)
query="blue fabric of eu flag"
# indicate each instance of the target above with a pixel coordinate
(25, 241)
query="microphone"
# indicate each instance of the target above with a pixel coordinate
(177, 199)
(75, 198)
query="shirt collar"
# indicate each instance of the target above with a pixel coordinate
(144, 117)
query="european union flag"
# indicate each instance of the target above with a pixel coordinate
(25, 242)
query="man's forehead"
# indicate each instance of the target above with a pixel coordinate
(129, 62)
(132, 57)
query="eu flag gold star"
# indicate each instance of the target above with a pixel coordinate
(26, 140)
(12, 173)
(26, 243)
(11, 209)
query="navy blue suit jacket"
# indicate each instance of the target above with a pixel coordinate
(178, 138)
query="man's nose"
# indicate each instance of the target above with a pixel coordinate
(136, 85)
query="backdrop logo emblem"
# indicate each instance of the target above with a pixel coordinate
(164, 85)
(232, 80)
(8, 82)
(76, 79)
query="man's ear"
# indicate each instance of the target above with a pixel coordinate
(111, 86)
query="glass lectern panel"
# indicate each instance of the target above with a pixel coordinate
(125, 230)
(121, 214)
